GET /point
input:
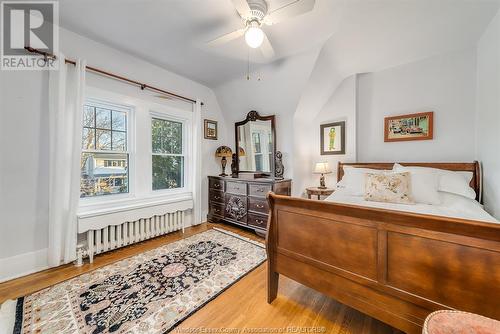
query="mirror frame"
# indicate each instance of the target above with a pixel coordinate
(253, 116)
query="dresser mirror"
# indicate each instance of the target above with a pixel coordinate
(256, 144)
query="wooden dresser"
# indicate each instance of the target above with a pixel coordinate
(242, 201)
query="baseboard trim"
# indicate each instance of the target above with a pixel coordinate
(23, 264)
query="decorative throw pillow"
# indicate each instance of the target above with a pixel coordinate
(353, 181)
(388, 188)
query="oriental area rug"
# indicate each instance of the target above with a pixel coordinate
(149, 293)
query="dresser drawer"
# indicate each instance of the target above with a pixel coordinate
(259, 190)
(235, 208)
(257, 220)
(216, 196)
(216, 184)
(238, 188)
(258, 205)
(216, 209)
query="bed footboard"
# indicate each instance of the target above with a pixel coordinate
(394, 266)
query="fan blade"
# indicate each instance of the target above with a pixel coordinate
(227, 37)
(242, 8)
(294, 8)
(266, 48)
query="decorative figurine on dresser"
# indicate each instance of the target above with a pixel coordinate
(256, 170)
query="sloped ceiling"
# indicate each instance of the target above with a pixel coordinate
(364, 34)
(375, 35)
(173, 33)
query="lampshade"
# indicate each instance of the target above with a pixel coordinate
(322, 168)
(223, 151)
(241, 152)
(254, 36)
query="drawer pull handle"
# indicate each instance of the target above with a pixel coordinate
(261, 190)
(217, 197)
(258, 221)
(216, 185)
(259, 206)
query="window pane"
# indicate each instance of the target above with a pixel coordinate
(258, 162)
(168, 172)
(88, 117)
(103, 174)
(88, 140)
(103, 118)
(256, 142)
(119, 141)
(119, 122)
(103, 141)
(166, 136)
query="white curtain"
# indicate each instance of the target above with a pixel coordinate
(197, 129)
(66, 98)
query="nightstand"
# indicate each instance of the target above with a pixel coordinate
(319, 192)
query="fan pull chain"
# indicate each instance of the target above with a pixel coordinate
(248, 64)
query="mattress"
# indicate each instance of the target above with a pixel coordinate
(453, 206)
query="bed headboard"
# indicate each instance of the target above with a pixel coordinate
(473, 167)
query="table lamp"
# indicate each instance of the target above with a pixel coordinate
(322, 168)
(223, 152)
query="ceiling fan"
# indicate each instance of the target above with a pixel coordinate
(255, 14)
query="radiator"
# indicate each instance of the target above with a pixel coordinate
(116, 236)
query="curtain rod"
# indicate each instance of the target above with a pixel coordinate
(141, 85)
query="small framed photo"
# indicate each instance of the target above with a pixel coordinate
(332, 138)
(210, 129)
(409, 127)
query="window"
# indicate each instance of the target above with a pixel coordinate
(168, 154)
(257, 151)
(104, 162)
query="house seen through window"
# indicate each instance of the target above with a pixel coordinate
(104, 162)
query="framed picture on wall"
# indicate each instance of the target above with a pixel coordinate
(210, 129)
(409, 127)
(332, 138)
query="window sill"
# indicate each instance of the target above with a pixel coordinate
(87, 210)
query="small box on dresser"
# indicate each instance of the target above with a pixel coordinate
(242, 201)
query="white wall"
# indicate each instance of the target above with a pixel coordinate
(488, 114)
(444, 84)
(23, 153)
(340, 106)
(277, 93)
(23, 171)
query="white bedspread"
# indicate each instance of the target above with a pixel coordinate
(453, 206)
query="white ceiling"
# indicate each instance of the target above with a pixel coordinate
(172, 33)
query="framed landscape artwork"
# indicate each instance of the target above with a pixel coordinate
(409, 127)
(210, 129)
(332, 138)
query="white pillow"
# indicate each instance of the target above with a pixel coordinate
(353, 181)
(449, 181)
(424, 184)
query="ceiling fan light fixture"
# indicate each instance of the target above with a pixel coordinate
(254, 36)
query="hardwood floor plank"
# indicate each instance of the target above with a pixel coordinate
(243, 305)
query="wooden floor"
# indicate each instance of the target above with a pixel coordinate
(241, 306)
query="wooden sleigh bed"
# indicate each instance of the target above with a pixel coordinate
(394, 266)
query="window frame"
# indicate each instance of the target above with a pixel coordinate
(129, 110)
(186, 151)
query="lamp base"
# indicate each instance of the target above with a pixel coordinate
(322, 184)
(223, 165)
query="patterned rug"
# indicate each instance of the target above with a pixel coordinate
(149, 293)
